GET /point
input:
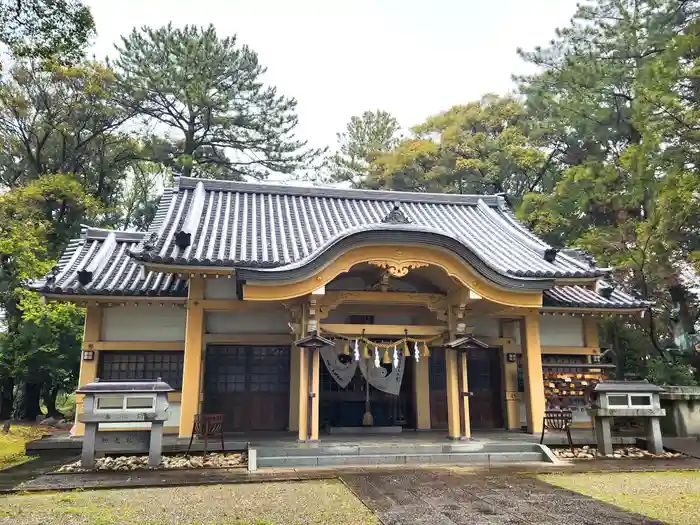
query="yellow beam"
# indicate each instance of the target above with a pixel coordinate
(532, 369)
(383, 329)
(194, 339)
(233, 305)
(397, 256)
(250, 339)
(135, 345)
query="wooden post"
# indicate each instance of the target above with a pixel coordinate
(590, 333)
(421, 383)
(532, 369)
(303, 394)
(294, 390)
(88, 369)
(194, 343)
(463, 396)
(304, 366)
(314, 391)
(453, 418)
(510, 378)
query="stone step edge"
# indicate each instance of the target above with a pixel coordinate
(496, 455)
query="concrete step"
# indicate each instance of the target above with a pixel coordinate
(291, 461)
(320, 449)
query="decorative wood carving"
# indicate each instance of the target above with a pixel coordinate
(396, 268)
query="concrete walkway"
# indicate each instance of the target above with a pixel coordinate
(42, 481)
(449, 498)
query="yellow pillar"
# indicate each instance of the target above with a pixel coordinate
(303, 394)
(532, 370)
(88, 369)
(510, 379)
(421, 383)
(463, 389)
(315, 358)
(453, 422)
(294, 390)
(194, 343)
(590, 333)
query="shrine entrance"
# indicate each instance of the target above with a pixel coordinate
(345, 407)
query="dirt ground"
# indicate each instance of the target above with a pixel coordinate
(673, 497)
(287, 503)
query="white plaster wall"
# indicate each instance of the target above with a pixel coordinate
(143, 323)
(484, 326)
(557, 330)
(272, 321)
(221, 288)
(172, 421)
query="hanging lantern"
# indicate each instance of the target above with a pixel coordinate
(406, 350)
(426, 350)
(376, 357)
(356, 350)
(416, 352)
(396, 356)
(346, 348)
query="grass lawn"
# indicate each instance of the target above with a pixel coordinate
(673, 497)
(278, 503)
(12, 444)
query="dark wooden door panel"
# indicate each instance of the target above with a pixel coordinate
(438, 389)
(249, 384)
(484, 379)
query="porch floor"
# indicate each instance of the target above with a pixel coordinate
(233, 442)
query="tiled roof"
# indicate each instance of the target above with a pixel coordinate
(277, 229)
(237, 224)
(117, 274)
(579, 297)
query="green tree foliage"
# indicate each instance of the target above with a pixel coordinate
(365, 138)
(39, 349)
(58, 29)
(59, 119)
(616, 101)
(489, 146)
(205, 98)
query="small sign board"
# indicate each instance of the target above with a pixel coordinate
(123, 441)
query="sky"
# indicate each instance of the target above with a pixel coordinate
(339, 58)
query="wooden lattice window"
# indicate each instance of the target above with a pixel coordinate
(125, 366)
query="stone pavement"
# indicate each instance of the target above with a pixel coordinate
(42, 481)
(453, 498)
(687, 445)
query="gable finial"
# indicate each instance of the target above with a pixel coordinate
(396, 216)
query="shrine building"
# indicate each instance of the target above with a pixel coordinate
(309, 311)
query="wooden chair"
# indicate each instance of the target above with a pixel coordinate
(559, 420)
(206, 426)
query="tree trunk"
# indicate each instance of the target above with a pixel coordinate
(27, 402)
(7, 387)
(49, 398)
